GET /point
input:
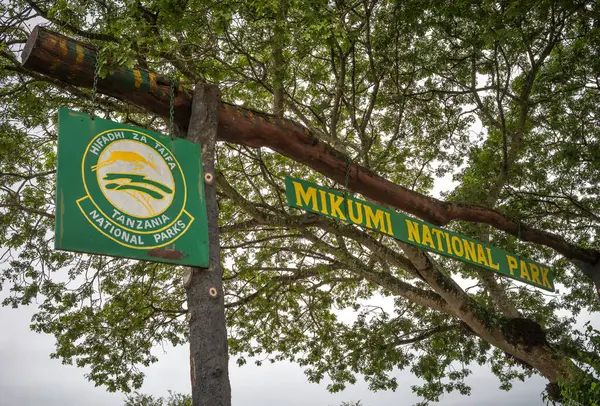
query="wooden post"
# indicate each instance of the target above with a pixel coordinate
(204, 287)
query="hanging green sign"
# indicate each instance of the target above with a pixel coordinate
(330, 203)
(129, 192)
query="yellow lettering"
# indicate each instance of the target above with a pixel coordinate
(512, 264)
(438, 236)
(490, 261)
(389, 223)
(535, 273)
(457, 246)
(524, 271)
(413, 231)
(470, 250)
(323, 201)
(355, 219)
(545, 280)
(427, 237)
(448, 245)
(376, 218)
(481, 255)
(304, 197)
(334, 204)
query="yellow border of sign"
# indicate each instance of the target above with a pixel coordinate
(88, 195)
(145, 247)
(170, 174)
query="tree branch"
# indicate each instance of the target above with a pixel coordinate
(426, 334)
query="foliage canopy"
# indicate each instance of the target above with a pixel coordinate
(499, 97)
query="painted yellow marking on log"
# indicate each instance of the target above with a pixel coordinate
(153, 86)
(62, 45)
(137, 79)
(80, 54)
(53, 45)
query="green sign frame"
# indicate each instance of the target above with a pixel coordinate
(330, 203)
(128, 192)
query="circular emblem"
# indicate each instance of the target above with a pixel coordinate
(137, 186)
(135, 178)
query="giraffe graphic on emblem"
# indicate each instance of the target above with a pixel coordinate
(135, 178)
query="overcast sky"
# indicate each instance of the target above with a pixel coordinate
(29, 377)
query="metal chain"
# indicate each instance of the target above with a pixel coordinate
(172, 110)
(348, 163)
(95, 86)
(519, 238)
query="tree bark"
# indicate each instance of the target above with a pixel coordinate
(209, 355)
(73, 62)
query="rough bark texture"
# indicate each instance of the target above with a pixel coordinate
(73, 62)
(208, 334)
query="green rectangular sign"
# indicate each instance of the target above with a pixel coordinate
(129, 192)
(316, 199)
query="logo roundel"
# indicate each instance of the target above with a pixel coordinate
(136, 190)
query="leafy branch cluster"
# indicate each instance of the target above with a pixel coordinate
(498, 96)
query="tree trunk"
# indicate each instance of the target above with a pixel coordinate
(209, 354)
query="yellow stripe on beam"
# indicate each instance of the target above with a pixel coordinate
(137, 77)
(80, 54)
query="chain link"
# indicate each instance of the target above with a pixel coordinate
(172, 110)
(519, 238)
(95, 86)
(348, 163)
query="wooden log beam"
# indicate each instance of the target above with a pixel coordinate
(74, 62)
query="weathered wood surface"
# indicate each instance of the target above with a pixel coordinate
(209, 356)
(73, 62)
